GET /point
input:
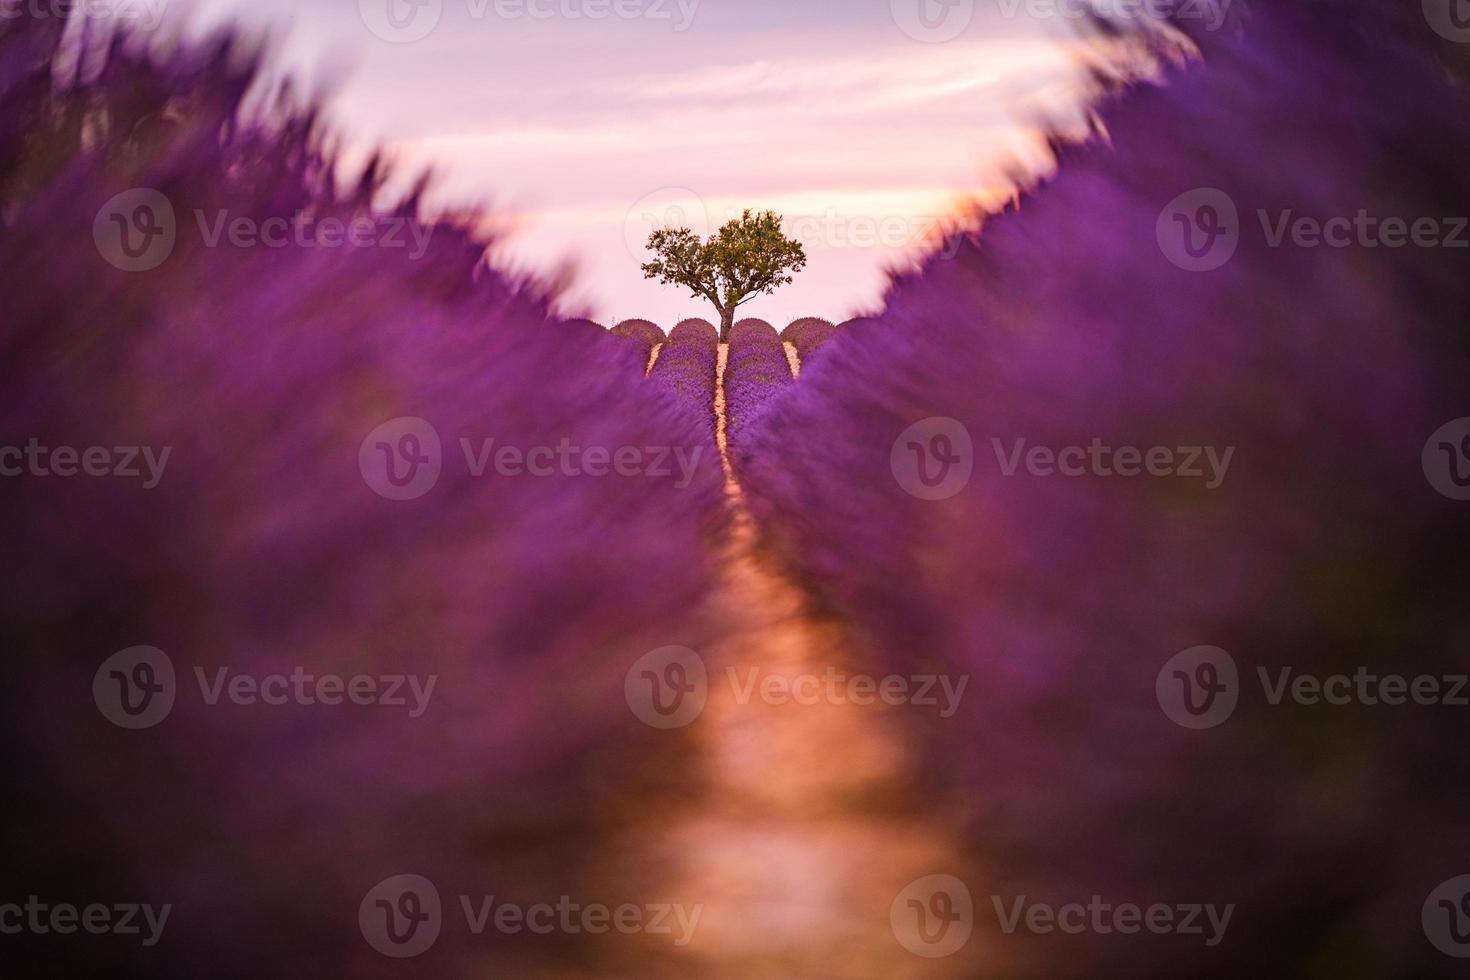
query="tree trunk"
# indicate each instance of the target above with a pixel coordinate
(727, 320)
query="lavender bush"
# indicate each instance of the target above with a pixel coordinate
(1085, 315)
(286, 530)
(644, 332)
(756, 370)
(686, 369)
(808, 334)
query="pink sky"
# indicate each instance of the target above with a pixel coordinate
(855, 120)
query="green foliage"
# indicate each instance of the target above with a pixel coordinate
(747, 257)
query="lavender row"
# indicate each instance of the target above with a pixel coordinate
(952, 474)
(757, 369)
(686, 370)
(321, 497)
(643, 332)
(807, 335)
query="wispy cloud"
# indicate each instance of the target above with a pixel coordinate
(835, 118)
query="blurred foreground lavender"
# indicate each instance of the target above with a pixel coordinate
(271, 541)
(306, 519)
(1076, 317)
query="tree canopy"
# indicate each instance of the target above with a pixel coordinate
(749, 256)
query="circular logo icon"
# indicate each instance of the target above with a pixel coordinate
(1199, 230)
(1449, 18)
(933, 459)
(401, 459)
(933, 21)
(1446, 917)
(933, 916)
(1199, 687)
(401, 916)
(666, 208)
(667, 688)
(1446, 459)
(401, 21)
(135, 688)
(136, 231)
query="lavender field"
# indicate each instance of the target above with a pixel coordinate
(1092, 608)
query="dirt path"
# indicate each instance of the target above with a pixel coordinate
(807, 826)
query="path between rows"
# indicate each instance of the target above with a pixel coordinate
(806, 824)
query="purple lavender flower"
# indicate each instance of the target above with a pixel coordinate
(329, 501)
(808, 334)
(1086, 317)
(757, 368)
(644, 332)
(686, 369)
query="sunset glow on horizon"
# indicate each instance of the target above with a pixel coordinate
(580, 135)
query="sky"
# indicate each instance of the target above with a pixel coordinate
(864, 122)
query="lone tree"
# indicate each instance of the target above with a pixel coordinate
(748, 256)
